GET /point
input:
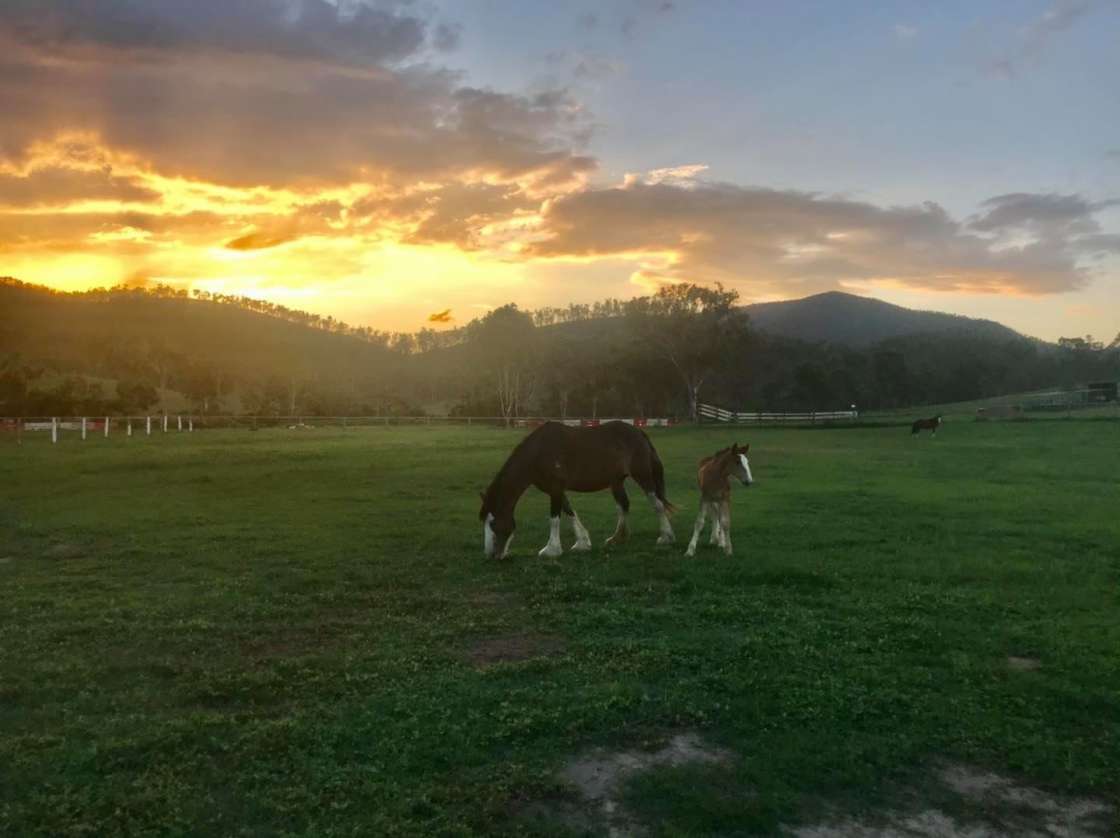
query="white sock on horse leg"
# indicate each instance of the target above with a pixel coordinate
(666, 536)
(696, 530)
(583, 537)
(553, 548)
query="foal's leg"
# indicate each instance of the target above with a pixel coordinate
(691, 551)
(622, 530)
(716, 538)
(583, 537)
(725, 525)
(554, 548)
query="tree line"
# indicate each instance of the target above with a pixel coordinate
(128, 350)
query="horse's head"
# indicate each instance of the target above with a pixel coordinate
(497, 530)
(740, 465)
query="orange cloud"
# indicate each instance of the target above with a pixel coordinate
(258, 241)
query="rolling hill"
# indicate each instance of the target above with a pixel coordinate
(836, 317)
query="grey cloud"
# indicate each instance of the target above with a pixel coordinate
(1043, 214)
(357, 32)
(780, 241)
(250, 120)
(53, 187)
(1035, 38)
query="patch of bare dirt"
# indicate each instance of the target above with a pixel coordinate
(598, 777)
(514, 648)
(978, 804)
(1023, 664)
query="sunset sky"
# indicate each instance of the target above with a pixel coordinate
(382, 161)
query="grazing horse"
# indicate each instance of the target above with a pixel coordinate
(714, 476)
(926, 425)
(556, 459)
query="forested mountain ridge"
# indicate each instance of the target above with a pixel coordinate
(836, 317)
(60, 351)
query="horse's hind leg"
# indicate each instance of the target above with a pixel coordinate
(716, 537)
(554, 547)
(622, 530)
(666, 536)
(583, 537)
(703, 514)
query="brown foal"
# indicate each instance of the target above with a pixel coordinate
(714, 476)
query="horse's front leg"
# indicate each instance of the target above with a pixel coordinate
(716, 537)
(554, 548)
(583, 537)
(700, 518)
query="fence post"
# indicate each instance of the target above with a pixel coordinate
(190, 424)
(106, 427)
(19, 431)
(179, 419)
(129, 432)
(54, 429)
(83, 428)
(149, 418)
(165, 423)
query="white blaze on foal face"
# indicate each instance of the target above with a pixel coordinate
(745, 476)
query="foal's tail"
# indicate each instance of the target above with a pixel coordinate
(658, 474)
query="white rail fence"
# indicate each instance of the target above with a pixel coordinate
(128, 426)
(718, 414)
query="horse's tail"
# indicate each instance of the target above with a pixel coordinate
(658, 474)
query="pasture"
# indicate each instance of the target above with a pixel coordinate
(295, 632)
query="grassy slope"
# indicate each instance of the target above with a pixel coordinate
(269, 632)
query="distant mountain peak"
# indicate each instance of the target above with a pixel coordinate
(854, 320)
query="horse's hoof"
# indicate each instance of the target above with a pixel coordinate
(690, 554)
(666, 539)
(581, 547)
(551, 553)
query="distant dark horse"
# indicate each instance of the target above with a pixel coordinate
(926, 425)
(556, 459)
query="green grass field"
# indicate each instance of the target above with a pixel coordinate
(295, 632)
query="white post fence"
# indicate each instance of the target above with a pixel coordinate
(149, 425)
(165, 423)
(180, 421)
(83, 428)
(106, 427)
(54, 430)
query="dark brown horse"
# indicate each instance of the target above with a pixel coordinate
(557, 459)
(714, 478)
(926, 425)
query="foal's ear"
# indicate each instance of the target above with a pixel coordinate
(745, 448)
(482, 496)
(734, 448)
